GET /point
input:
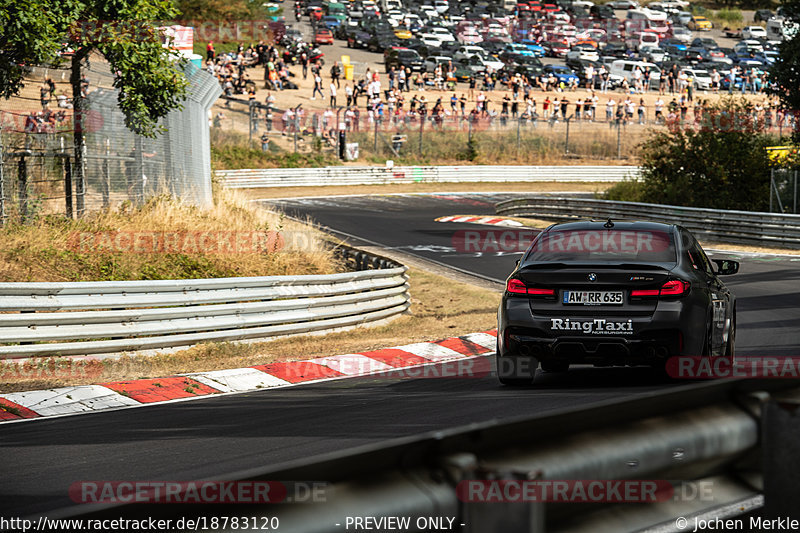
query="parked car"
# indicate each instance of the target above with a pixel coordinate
(705, 42)
(555, 49)
(323, 36)
(357, 38)
(562, 73)
(402, 57)
(682, 18)
(762, 15)
(583, 51)
(654, 54)
(701, 79)
(754, 32)
(681, 33)
(535, 48)
(432, 61)
(700, 23)
(624, 4)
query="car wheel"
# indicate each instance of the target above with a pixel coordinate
(514, 371)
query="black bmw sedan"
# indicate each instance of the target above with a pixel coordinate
(613, 293)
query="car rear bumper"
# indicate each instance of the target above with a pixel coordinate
(652, 348)
(605, 337)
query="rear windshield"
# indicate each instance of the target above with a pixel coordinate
(604, 245)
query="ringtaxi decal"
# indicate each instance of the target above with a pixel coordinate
(597, 326)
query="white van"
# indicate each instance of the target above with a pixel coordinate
(780, 29)
(647, 14)
(650, 19)
(624, 68)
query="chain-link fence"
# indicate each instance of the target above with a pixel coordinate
(37, 154)
(783, 193)
(450, 136)
(515, 134)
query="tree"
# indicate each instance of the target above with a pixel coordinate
(123, 32)
(722, 164)
(785, 72)
(20, 21)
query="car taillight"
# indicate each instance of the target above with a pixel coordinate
(674, 287)
(515, 286)
(541, 292)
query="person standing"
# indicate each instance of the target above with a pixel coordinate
(659, 108)
(304, 62)
(317, 87)
(210, 52)
(44, 95)
(732, 77)
(642, 111)
(611, 104)
(333, 94)
(336, 72)
(348, 91)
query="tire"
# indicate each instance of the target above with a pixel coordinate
(508, 371)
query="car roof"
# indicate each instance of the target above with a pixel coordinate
(618, 225)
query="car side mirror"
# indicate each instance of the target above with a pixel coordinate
(726, 267)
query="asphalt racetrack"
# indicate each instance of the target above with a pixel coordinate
(214, 437)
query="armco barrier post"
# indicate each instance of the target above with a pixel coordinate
(481, 516)
(780, 451)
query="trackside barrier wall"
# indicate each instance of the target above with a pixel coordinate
(307, 177)
(716, 439)
(48, 319)
(719, 225)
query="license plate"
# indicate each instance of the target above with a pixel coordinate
(592, 298)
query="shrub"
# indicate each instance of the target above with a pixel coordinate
(720, 163)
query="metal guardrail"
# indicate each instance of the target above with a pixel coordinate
(732, 436)
(49, 319)
(307, 177)
(742, 227)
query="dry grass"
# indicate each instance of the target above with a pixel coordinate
(589, 143)
(48, 249)
(440, 308)
(411, 188)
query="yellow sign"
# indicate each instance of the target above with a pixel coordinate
(780, 153)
